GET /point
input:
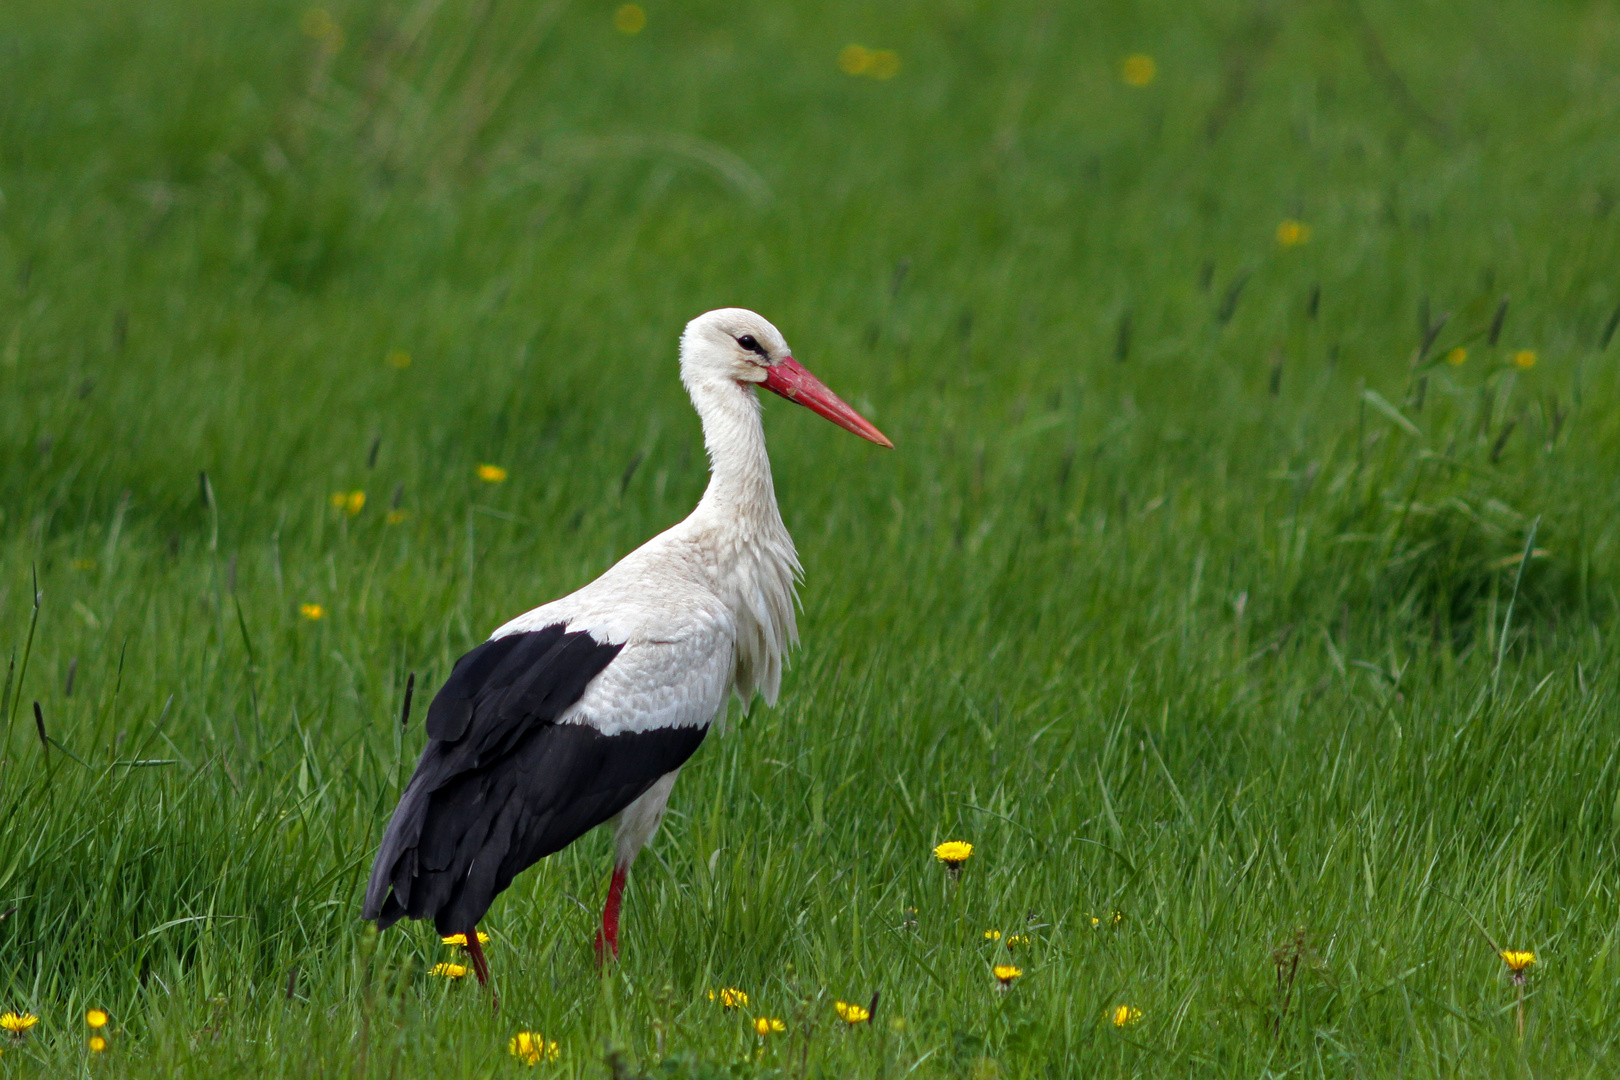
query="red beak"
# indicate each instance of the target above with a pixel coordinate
(788, 378)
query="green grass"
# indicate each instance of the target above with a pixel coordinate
(1223, 623)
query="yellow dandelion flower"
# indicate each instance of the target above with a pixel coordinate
(351, 502)
(953, 853)
(630, 19)
(1125, 1015)
(531, 1047)
(1525, 359)
(1017, 939)
(398, 358)
(992, 935)
(851, 1014)
(97, 1044)
(491, 474)
(768, 1025)
(1457, 356)
(883, 64)
(1006, 973)
(1518, 961)
(312, 612)
(96, 1018)
(1292, 233)
(461, 939)
(1095, 921)
(450, 971)
(730, 997)
(17, 1023)
(855, 59)
(1138, 69)
(394, 517)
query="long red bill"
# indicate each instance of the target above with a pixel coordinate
(788, 378)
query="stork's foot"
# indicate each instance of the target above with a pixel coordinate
(606, 950)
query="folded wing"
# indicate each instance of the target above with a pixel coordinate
(509, 775)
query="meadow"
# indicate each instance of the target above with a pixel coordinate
(1240, 587)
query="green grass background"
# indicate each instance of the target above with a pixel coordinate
(1183, 596)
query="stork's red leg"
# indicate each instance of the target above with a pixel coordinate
(607, 938)
(481, 965)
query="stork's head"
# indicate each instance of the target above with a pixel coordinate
(735, 345)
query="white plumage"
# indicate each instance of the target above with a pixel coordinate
(704, 608)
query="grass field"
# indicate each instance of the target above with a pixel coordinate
(1242, 586)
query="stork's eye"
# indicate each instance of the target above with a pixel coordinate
(747, 341)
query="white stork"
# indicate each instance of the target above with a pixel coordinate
(587, 707)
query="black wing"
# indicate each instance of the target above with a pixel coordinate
(502, 785)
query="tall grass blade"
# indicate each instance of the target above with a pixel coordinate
(1507, 619)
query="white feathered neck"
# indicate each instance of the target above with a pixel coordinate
(739, 528)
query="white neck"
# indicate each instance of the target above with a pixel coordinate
(738, 525)
(740, 495)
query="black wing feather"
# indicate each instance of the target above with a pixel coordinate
(479, 673)
(501, 784)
